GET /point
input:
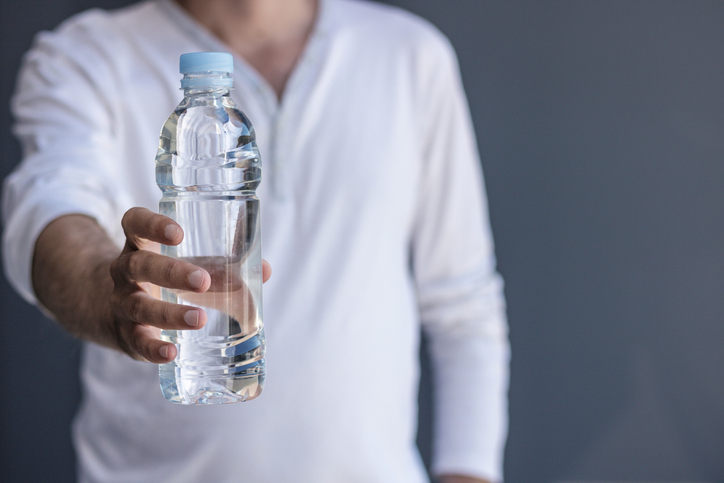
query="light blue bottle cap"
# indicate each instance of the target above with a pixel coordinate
(200, 62)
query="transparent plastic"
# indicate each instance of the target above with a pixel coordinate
(208, 168)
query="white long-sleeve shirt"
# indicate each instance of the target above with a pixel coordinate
(374, 218)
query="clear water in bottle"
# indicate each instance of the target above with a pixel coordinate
(208, 168)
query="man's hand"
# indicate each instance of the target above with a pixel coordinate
(138, 316)
(107, 298)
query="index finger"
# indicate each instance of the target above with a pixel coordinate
(142, 223)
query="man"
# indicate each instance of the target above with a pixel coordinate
(374, 218)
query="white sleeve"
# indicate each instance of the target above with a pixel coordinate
(66, 131)
(460, 293)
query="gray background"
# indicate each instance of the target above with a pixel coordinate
(600, 126)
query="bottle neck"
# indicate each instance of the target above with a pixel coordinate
(206, 91)
(215, 84)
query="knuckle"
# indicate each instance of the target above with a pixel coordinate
(153, 223)
(120, 269)
(133, 262)
(135, 308)
(171, 270)
(134, 345)
(123, 266)
(148, 224)
(138, 264)
(123, 341)
(168, 314)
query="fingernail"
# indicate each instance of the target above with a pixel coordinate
(192, 318)
(196, 279)
(171, 232)
(163, 351)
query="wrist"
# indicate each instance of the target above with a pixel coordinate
(71, 276)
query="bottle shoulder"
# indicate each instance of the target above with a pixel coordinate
(207, 144)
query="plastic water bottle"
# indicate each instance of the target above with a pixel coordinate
(208, 168)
